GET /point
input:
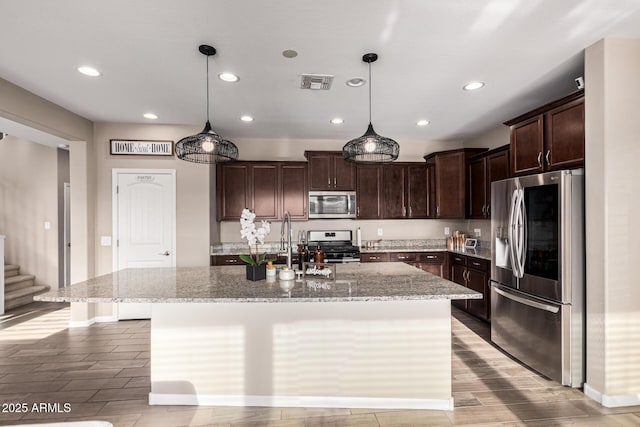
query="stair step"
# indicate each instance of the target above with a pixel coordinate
(22, 296)
(11, 270)
(18, 282)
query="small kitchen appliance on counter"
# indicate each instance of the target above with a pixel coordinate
(336, 245)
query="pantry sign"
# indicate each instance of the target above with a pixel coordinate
(141, 147)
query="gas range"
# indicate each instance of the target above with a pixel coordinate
(336, 245)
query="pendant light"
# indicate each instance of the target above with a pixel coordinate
(206, 146)
(371, 147)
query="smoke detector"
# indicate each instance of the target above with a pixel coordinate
(316, 81)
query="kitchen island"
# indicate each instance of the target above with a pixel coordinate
(379, 336)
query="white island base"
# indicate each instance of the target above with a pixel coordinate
(356, 354)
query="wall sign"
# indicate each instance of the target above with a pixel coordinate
(141, 147)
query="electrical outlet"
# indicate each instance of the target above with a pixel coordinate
(477, 231)
(105, 240)
(447, 231)
(380, 232)
(47, 225)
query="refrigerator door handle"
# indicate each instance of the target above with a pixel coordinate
(515, 263)
(525, 301)
(521, 226)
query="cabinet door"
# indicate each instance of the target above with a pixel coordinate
(458, 276)
(431, 190)
(527, 146)
(233, 191)
(295, 191)
(264, 188)
(417, 191)
(497, 168)
(476, 188)
(565, 136)
(344, 174)
(320, 171)
(394, 191)
(478, 281)
(450, 185)
(369, 191)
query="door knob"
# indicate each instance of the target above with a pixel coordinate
(165, 253)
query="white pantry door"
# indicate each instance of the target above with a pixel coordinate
(144, 225)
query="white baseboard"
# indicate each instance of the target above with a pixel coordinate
(89, 322)
(611, 401)
(300, 401)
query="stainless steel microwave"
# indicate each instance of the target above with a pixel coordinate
(332, 204)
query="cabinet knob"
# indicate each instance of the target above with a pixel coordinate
(335, 181)
(546, 157)
(231, 261)
(431, 257)
(484, 210)
(404, 211)
(438, 210)
(540, 159)
(477, 264)
(329, 182)
(409, 210)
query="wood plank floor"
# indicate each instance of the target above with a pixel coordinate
(102, 372)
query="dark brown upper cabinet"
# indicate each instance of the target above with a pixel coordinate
(295, 190)
(329, 171)
(406, 192)
(369, 199)
(450, 181)
(266, 188)
(550, 137)
(482, 170)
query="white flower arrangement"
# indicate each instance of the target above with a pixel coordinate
(254, 235)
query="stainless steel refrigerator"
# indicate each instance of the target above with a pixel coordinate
(537, 272)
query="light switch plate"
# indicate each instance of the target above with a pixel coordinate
(380, 232)
(47, 225)
(447, 231)
(105, 240)
(478, 232)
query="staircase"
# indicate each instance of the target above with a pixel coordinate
(19, 289)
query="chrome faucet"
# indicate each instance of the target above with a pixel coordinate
(289, 252)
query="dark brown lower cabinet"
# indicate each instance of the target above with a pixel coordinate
(217, 260)
(473, 273)
(431, 262)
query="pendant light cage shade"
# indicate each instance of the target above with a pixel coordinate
(206, 146)
(371, 147)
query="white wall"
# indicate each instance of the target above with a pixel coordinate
(612, 150)
(28, 199)
(493, 138)
(192, 192)
(398, 229)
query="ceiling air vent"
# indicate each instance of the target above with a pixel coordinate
(316, 81)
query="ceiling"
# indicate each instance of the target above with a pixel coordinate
(527, 52)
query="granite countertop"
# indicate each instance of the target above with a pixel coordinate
(355, 282)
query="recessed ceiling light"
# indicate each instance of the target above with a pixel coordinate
(228, 77)
(289, 53)
(150, 116)
(337, 121)
(356, 82)
(473, 85)
(246, 118)
(88, 71)
(422, 122)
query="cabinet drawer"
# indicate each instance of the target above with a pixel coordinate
(374, 257)
(402, 257)
(458, 259)
(478, 263)
(430, 257)
(226, 260)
